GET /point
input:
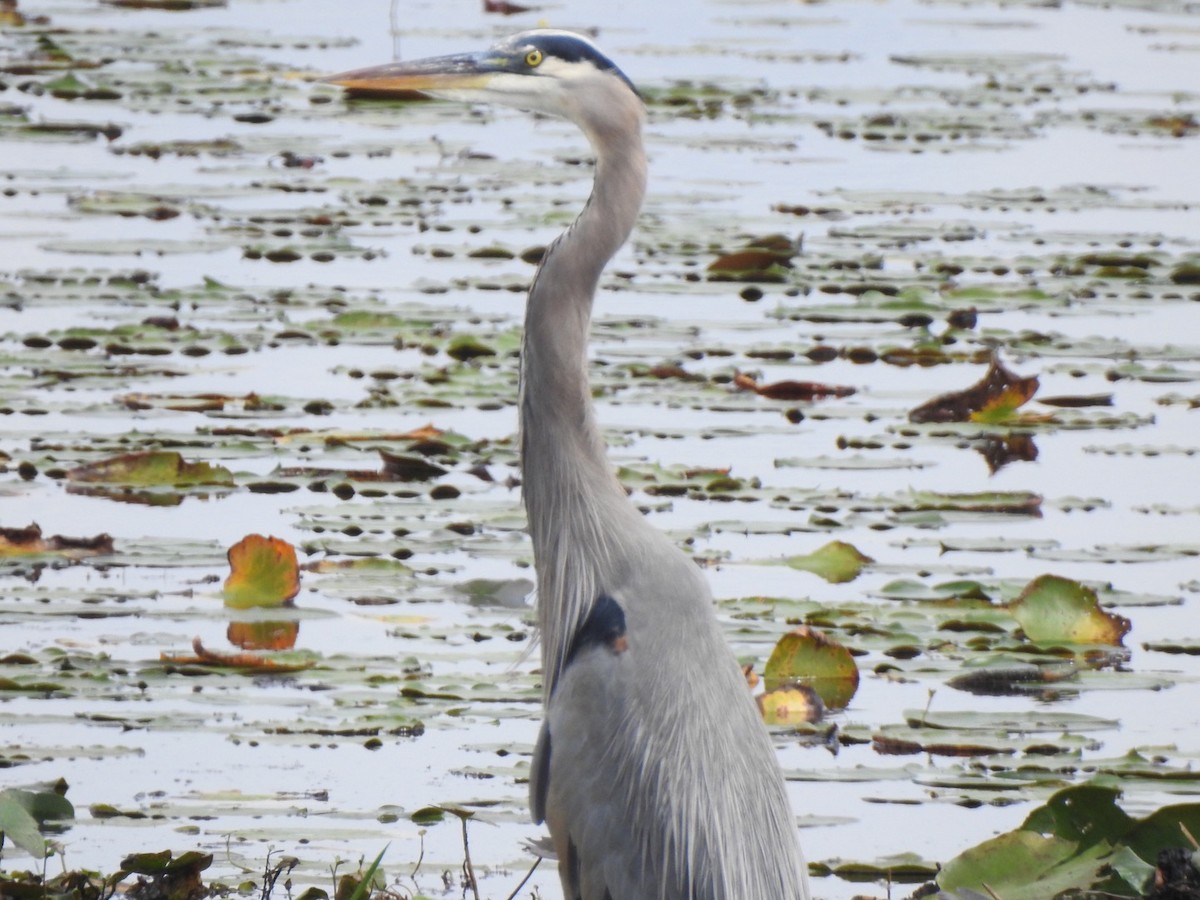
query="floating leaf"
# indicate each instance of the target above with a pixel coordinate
(837, 562)
(807, 656)
(1052, 609)
(406, 467)
(792, 390)
(765, 259)
(1080, 840)
(428, 815)
(28, 541)
(992, 400)
(251, 661)
(154, 468)
(263, 572)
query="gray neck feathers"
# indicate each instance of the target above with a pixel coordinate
(578, 514)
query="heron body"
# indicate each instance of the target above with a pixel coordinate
(653, 769)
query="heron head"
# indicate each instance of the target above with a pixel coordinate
(554, 72)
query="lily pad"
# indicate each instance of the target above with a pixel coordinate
(1081, 839)
(151, 469)
(837, 562)
(263, 572)
(807, 656)
(1052, 609)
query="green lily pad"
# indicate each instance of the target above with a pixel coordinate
(807, 656)
(837, 562)
(1057, 610)
(1081, 839)
(152, 469)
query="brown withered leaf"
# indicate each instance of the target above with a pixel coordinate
(206, 657)
(792, 390)
(28, 541)
(766, 258)
(1077, 401)
(404, 467)
(504, 8)
(673, 371)
(992, 399)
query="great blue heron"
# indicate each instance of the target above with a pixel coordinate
(653, 769)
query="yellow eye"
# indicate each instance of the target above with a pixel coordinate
(533, 58)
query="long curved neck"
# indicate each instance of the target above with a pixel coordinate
(575, 506)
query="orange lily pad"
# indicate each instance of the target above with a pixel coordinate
(263, 572)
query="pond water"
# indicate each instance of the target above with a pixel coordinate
(204, 251)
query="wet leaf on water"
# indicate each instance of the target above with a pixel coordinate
(1006, 502)
(428, 815)
(792, 390)
(263, 572)
(1081, 840)
(505, 8)
(404, 467)
(905, 589)
(1188, 646)
(902, 868)
(808, 656)
(1075, 401)
(765, 259)
(1045, 721)
(1052, 609)
(24, 812)
(150, 469)
(993, 400)
(248, 661)
(837, 562)
(28, 541)
(1007, 676)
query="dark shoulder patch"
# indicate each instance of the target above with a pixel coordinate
(604, 626)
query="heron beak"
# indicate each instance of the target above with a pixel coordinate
(463, 71)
